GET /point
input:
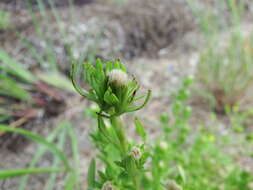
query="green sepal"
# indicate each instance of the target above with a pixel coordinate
(102, 176)
(130, 165)
(135, 108)
(110, 97)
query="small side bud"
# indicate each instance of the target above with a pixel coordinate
(118, 77)
(163, 145)
(162, 164)
(108, 186)
(172, 185)
(136, 153)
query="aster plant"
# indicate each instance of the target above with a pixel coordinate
(115, 93)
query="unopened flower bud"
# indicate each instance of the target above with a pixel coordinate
(149, 175)
(162, 164)
(172, 185)
(108, 186)
(164, 145)
(118, 77)
(136, 153)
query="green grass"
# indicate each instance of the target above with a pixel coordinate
(4, 19)
(60, 163)
(224, 70)
(18, 84)
(196, 163)
(225, 73)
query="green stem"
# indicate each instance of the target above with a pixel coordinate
(137, 182)
(120, 132)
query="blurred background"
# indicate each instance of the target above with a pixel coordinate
(163, 43)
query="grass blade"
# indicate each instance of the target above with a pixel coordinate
(12, 89)
(73, 179)
(15, 68)
(40, 140)
(4, 174)
(92, 175)
(56, 79)
(52, 179)
(41, 151)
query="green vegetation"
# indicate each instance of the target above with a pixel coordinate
(4, 19)
(225, 74)
(114, 92)
(195, 163)
(189, 153)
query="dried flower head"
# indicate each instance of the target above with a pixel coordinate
(118, 77)
(108, 186)
(172, 185)
(136, 153)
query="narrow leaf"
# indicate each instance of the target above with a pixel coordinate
(12, 66)
(4, 174)
(140, 130)
(92, 174)
(40, 140)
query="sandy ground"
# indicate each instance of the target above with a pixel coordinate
(162, 73)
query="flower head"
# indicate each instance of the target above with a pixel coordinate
(108, 186)
(136, 153)
(172, 185)
(110, 87)
(118, 77)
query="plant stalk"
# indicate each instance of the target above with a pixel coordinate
(120, 132)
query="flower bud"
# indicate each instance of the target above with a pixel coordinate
(118, 77)
(163, 145)
(162, 164)
(108, 186)
(136, 153)
(172, 185)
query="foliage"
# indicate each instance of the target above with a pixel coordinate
(61, 163)
(184, 156)
(192, 156)
(225, 73)
(178, 159)
(4, 19)
(115, 94)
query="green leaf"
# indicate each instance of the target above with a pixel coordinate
(102, 176)
(40, 140)
(140, 130)
(15, 68)
(99, 69)
(4, 174)
(109, 66)
(182, 173)
(75, 173)
(41, 151)
(110, 98)
(135, 108)
(92, 174)
(11, 88)
(70, 182)
(130, 166)
(53, 177)
(5, 19)
(75, 72)
(56, 79)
